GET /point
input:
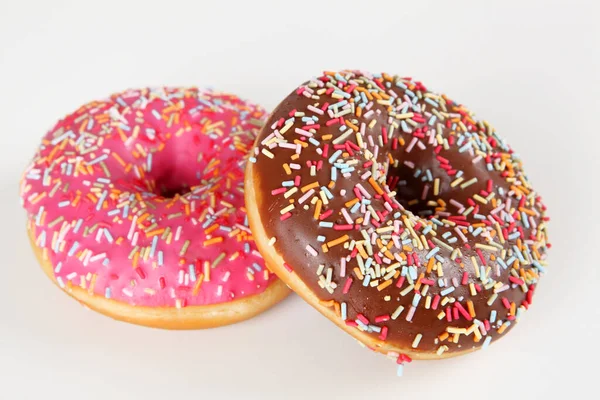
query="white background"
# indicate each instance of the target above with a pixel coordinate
(530, 67)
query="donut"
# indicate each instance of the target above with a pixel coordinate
(135, 208)
(397, 214)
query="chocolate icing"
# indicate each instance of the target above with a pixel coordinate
(486, 158)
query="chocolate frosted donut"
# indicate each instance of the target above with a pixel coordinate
(396, 214)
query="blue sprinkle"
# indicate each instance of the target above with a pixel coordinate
(502, 263)
(334, 156)
(339, 104)
(404, 126)
(513, 236)
(486, 342)
(493, 316)
(287, 183)
(416, 299)
(101, 200)
(153, 248)
(160, 258)
(367, 280)
(524, 219)
(321, 238)
(326, 224)
(447, 291)
(327, 192)
(374, 328)
(361, 325)
(400, 370)
(538, 266)
(412, 272)
(466, 147)
(192, 272)
(246, 247)
(257, 267)
(432, 252)
(107, 293)
(429, 176)
(73, 248)
(432, 102)
(343, 311)
(105, 262)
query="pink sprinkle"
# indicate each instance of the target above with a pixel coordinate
(311, 250)
(382, 318)
(306, 196)
(326, 214)
(411, 144)
(411, 313)
(400, 282)
(384, 331)
(278, 191)
(465, 278)
(347, 285)
(463, 312)
(343, 227)
(516, 280)
(362, 319)
(285, 216)
(436, 301)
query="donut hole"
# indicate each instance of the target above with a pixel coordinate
(170, 192)
(172, 182)
(412, 191)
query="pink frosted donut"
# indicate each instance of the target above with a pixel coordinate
(136, 208)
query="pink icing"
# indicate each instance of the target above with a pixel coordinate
(102, 195)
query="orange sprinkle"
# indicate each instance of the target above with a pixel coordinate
(306, 188)
(471, 308)
(214, 240)
(337, 241)
(317, 209)
(383, 285)
(198, 284)
(359, 274)
(375, 186)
